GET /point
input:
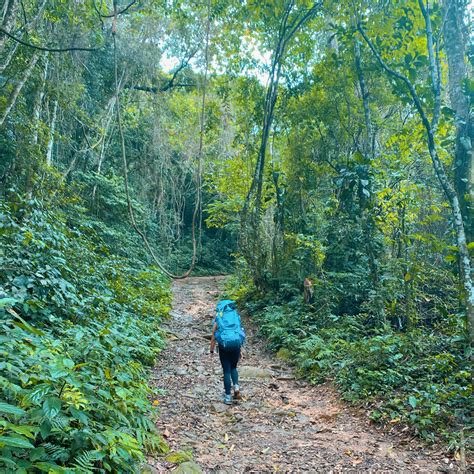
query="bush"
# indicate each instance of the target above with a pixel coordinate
(79, 326)
(419, 378)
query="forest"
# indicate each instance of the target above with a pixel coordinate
(318, 153)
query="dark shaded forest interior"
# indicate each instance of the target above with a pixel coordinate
(317, 153)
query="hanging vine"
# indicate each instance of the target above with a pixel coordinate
(197, 213)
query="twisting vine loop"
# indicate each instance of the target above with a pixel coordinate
(198, 204)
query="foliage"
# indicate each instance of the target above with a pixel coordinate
(79, 326)
(337, 150)
(419, 378)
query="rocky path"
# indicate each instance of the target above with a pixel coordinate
(281, 425)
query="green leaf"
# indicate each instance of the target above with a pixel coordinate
(45, 429)
(26, 326)
(39, 392)
(11, 409)
(49, 467)
(15, 442)
(412, 401)
(25, 430)
(7, 302)
(8, 461)
(79, 415)
(37, 453)
(52, 406)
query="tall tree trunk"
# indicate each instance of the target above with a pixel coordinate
(286, 32)
(449, 191)
(39, 101)
(19, 86)
(9, 57)
(366, 203)
(30, 27)
(251, 241)
(370, 136)
(10, 9)
(49, 153)
(455, 47)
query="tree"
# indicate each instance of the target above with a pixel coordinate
(455, 38)
(431, 128)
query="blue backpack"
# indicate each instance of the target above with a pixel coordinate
(229, 333)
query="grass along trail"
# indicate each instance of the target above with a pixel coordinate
(281, 425)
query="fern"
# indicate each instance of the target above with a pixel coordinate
(74, 396)
(84, 462)
(59, 423)
(56, 452)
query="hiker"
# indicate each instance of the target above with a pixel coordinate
(228, 332)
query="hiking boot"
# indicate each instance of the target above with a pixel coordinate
(228, 400)
(237, 395)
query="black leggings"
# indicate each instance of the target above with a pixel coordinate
(229, 360)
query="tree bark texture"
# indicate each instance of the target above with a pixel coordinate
(19, 86)
(9, 11)
(455, 47)
(49, 153)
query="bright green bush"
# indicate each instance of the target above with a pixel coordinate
(78, 327)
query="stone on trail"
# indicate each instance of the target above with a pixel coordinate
(177, 457)
(219, 407)
(249, 372)
(286, 377)
(189, 467)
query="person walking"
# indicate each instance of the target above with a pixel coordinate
(228, 333)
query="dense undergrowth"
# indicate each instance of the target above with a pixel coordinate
(417, 377)
(79, 324)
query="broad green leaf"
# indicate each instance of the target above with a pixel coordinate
(45, 429)
(37, 453)
(50, 467)
(26, 430)
(8, 461)
(412, 401)
(79, 415)
(11, 409)
(68, 363)
(15, 442)
(24, 325)
(52, 406)
(39, 392)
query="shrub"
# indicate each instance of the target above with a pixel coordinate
(78, 327)
(419, 378)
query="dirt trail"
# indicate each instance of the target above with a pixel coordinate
(282, 425)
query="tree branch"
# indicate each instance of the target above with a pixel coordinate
(305, 17)
(398, 75)
(111, 15)
(156, 90)
(169, 84)
(183, 65)
(45, 48)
